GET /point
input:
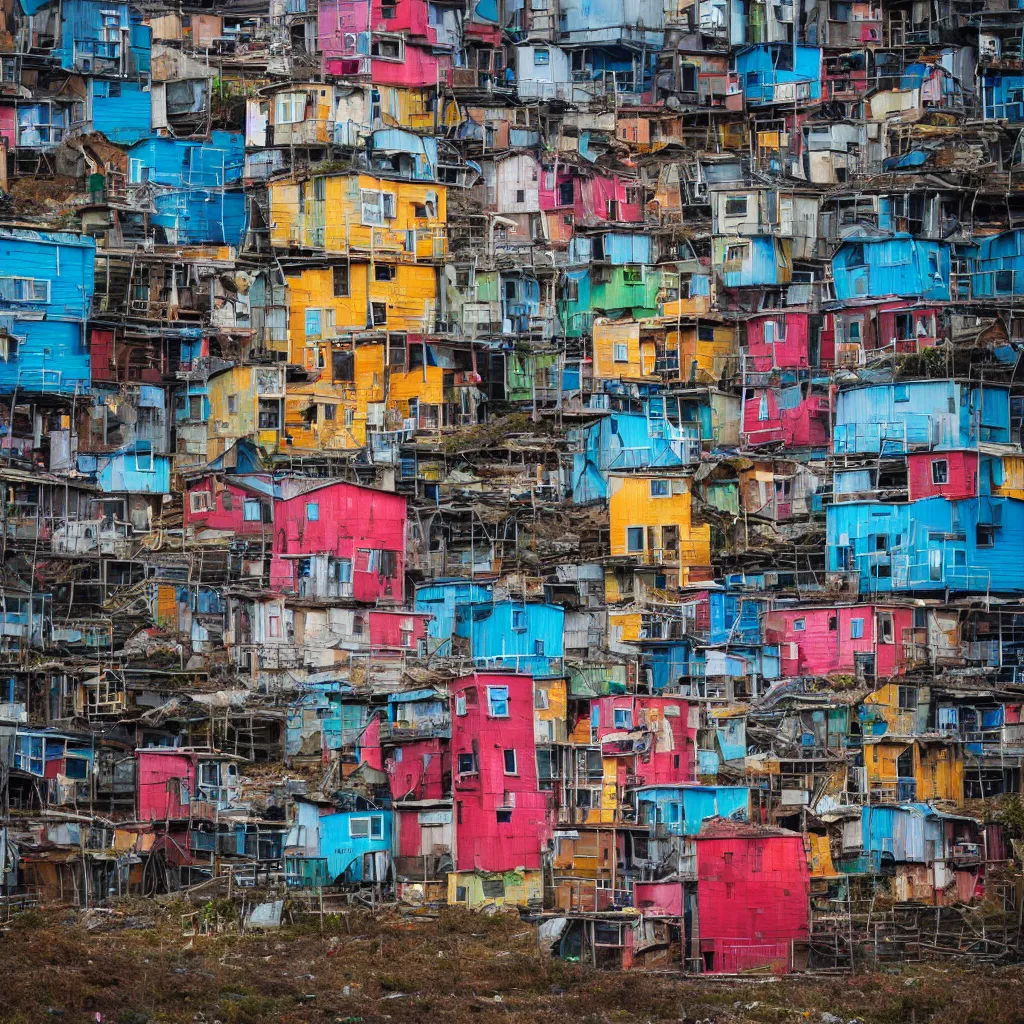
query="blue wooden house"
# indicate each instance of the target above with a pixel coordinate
(999, 265)
(46, 287)
(198, 195)
(929, 545)
(779, 73)
(133, 469)
(872, 268)
(441, 599)
(515, 635)
(356, 845)
(681, 810)
(892, 419)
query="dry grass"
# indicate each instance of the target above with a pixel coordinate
(460, 967)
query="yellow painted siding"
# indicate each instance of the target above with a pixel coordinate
(885, 702)
(939, 771)
(413, 229)
(556, 712)
(606, 337)
(712, 358)
(1013, 478)
(627, 624)
(521, 888)
(631, 504)
(819, 855)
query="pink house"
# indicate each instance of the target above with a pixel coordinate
(651, 738)
(788, 415)
(178, 783)
(397, 630)
(783, 340)
(340, 540)
(820, 641)
(502, 818)
(392, 59)
(950, 475)
(240, 506)
(617, 200)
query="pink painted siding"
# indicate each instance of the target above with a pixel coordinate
(595, 193)
(485, 797)
(827, 643)
(790, 348)
(549, 199)
(369, 745)
(805, 425)
(9, 126)
(752, 891)
(669, 755)
(420, 770)
(660, 899)
(351, 522)
(399, 629)
(158, 795)
(960, 473)
(226, 512)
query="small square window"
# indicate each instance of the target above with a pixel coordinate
(940, 471)
(856, 629)
(541, 57)
(634, 539)
(466, 764)
(504, 816)
(623, 718)
(660, 489)
(799, 625)
(497, 701)
(621, 352)
(312, 511)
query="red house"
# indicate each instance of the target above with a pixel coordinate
(651, 738)
(753, 887)
(240, 506)
(181, 783)
(875, 641)
(398, 630)
(950, 475)
(794, 415)
(340, 540)
(502, 818)
(789, 340)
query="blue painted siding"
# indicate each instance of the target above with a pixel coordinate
(135, 469)
(345, 852)
(899, 266)
(764, 68)
(931, 544)
(122, 111)
(51, 354)
(516, 636)
(897, 832)
(999, 265)
(1001, 92)
(681, 810)
(441, 599)
(891, 419)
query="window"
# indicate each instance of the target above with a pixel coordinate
(251, 510)
(900, 393)
(660, 489)
(541, 701)
(1004, 281)
(504, 816)
(378, 314)
(885, 632)
(232, 404)
(736, 206)
(388, 48)
(736, 253)
(940, 471)
(519, 619)
(269, 414)
(538, 648)
(24, 289)
(833, 623)
(199, 501)
(510, 762)
(633, 275)
(497, 701)
(467, 764)
(290, 108)
(799, 625)
(541, 57)
(383, 272)
(984, 535)
(634, 538)
(312, 511)
(621, 352)
(856, 629)
(622, 718)
(372, 208)
(341, 281)
(371, 827)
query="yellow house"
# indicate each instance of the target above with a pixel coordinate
(706, 350)
(1013, 478)
(936, 766)
(650, 521)
(884, 703)
(473, 889)
(245, 401)
(620, 352)
(359, 213)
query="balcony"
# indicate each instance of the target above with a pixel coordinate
(407, 732)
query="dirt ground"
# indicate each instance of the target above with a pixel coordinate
(133, 966)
